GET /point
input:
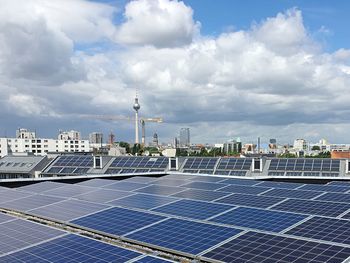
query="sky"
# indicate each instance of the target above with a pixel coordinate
(225, 69)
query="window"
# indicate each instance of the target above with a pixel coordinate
(45, 140)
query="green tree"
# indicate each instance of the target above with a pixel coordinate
(125, 145)
(315, 148)
(137, 149)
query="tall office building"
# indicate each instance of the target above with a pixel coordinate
(96, 137)
(184, 137)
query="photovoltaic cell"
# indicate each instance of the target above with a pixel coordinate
(10, 194)
(31, 202)
(193, 209)
(72, 248)
(69, 190)
(200, 163)
(242, 189)
(240, 181)
(259, 219)
(325, 188)
(143, 201)
(204, 185)
(5, 218)
(103, 195)
(280, 185)
(250, 200)
(97, 182)
(208, 179)
(171, 182)
(202, 195)
(41, 187)
(118, 221)
(330, 209)
(287, 193)
(259, 247)
(141, 179)
(185, 236)
(125, 186)
(68, 210)
(340, 183)
(19, 233)
(149, 259)
(329, 229)
(335, 197)
(160, 190)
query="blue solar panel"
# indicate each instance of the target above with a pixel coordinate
(160, 190)
(335, 197)
(117, 221)
(242, 189)
(200, 163)
(208, 179)
(287, 193)
(103, 195)
(204, 185)
(325, 188)
(141, 179)
(125, 186)
(17, 234)
(41, 187)
(250, 200)
(149, 259)
(235, 163)
(68, 210)
(143, 201)
(329, 229)
(193, 209)
(202, 195)
(185, 236)
(171, 182)
(280, 185)
(258, 247)
(72, 248)
(313, 207)
(69, 190)
(240, 181)
(5, 218)
(339, 183)
(259, 219)
(10, 194)
(97, 182)
(31, 202)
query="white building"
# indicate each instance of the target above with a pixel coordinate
(300, 145)
(40, 146)
(25, 134)
(69, 135)
(96, 137)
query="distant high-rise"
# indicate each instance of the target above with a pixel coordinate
(155, 140)
(25, 134)
(96, 137)
(69, 135)
(184, 137)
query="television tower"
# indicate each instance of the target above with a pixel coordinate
(136, 108)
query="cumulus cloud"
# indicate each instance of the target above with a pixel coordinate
(162, 23)
(271, 80)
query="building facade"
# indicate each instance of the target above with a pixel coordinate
(185, 139)
(96, 138)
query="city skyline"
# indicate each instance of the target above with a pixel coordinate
(282, 72)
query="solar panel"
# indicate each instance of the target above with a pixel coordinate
(72, 248)
(259, 219)
(339, 183)
(118, 221)
(141, 179)
(204, 185)
(235, 163)
(125, 186)
(96, 182)
(160, 190)
(208, 179)
(17, 234)
(244, 189)
(200, 163)
(287, 193)
(329, 229)
(68, 210)
(41, 187)
(193, 209)
(184, 236)
(280, 185)
(149, 259)
(103, 195)
(140, 162)
(259, 247)
(325, 188)
(69, 190)
(10, 194)
(250, 200)
(247, 182)
(202, 195)
(330, 209)
(5, 218)
(304, 164)
(143, 201)
(171, 182)
(31, 202)
(335, 197)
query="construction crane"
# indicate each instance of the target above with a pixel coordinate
(126, 118)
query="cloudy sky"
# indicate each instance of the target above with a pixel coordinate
(226, 69)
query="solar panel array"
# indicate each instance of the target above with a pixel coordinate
(141, 164)
(304, 167)
(228, 220)
(70, 165)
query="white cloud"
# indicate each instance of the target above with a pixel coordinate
(162, 23)
(272, 80)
